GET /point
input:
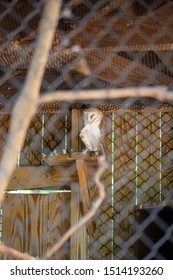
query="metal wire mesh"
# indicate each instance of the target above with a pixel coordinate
(98, 44)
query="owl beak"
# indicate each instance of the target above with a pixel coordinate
(93, 118)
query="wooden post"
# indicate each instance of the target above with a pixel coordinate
(84, 191)
(78, 241)
(78, 244)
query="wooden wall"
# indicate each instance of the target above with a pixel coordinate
(4, 126)
(139, 151)
(33, 223)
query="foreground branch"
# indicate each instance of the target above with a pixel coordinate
(26, 105)
(14, 254)
(161, 93)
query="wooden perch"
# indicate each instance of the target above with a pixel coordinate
(60, 158)
(83, 164)
(41, 177)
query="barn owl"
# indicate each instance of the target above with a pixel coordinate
(92, 135)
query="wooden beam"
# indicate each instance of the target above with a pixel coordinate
(61, 159)
(79, 240)
(65, 161)
(83, 183)
(83, 178)
(45, 177)
(75, 130)
(41, 177)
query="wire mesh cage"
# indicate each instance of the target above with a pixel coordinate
(98, 44)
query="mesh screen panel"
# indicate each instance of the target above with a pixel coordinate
(98, 44)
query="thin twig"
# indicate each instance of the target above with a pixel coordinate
(95, 206)
(14, 254)
(161, 93)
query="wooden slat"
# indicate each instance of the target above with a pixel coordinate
(83, 178)
(77, 125)
(148, 159)
(78, 241)
(13, 222)
(84, 191)
(31, 151)
(60, 158)
(38, 177)
(33, 223)
(167, 157)
(4, 126)
(78, 245)
(34, 177)
(36, 224)
(59, 222)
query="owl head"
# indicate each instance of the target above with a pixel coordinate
(92, 115)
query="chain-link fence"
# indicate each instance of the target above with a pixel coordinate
(98, 44)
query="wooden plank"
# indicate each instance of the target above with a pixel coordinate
(74, 129)
(78, 244)
(13, 222)
(77, 125)
(59, 222)
(33, 223)
(79, 240)
(60, 158)
(84, 191)
(38, 177)
(4, 126)
(149, 158)
(31, 153)
(83, 178)
(36, 224)
(167, 157)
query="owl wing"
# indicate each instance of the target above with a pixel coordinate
(91, 136)
(85, 136)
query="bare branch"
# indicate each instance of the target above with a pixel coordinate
(12, 253)
(160, 93)
(89, 215)
(26, 105)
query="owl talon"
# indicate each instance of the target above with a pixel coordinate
(91, 153)
(94, 153)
